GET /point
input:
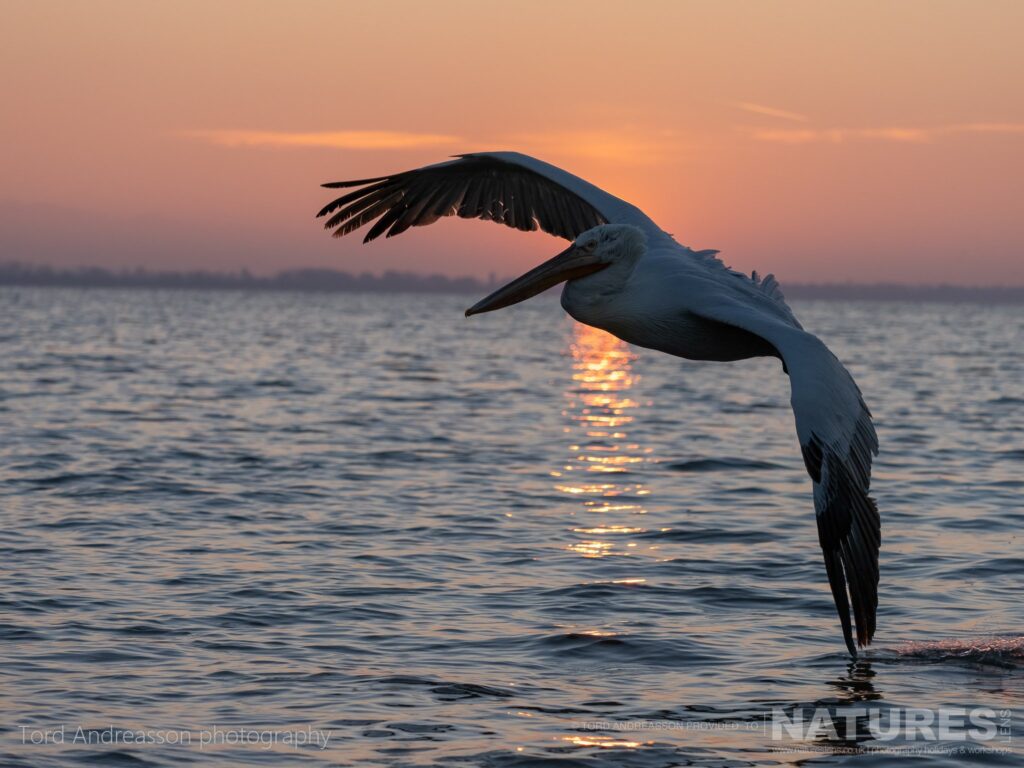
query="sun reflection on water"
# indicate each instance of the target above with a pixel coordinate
(606, 742)
(601, 456)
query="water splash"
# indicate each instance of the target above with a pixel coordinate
(994, 650)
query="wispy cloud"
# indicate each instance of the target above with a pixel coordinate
(332, 139)
(899, 134)
(761, 109)
(629, 145)
(840, 135)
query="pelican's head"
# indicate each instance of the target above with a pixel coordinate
(596, 250)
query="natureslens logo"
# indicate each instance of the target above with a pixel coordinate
(835, 728)
(888, 724)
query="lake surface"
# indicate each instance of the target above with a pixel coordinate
(398, 537)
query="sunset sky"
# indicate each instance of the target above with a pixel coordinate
(816, 140)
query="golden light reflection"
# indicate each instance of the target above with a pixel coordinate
(601, 741)
(591, 548)
(601, 456)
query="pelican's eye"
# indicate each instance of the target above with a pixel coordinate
(590, 245)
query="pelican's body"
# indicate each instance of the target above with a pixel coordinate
(650, 310)
(627, 276)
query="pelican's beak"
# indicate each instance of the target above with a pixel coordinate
(568, 265)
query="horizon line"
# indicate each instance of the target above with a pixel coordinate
(329, 279)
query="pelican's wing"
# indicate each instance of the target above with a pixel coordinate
(838, 440)
(512, 189)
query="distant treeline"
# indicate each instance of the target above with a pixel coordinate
(334, 280)
(288, 280)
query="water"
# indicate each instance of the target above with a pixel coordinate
(508, 541)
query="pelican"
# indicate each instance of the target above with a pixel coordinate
(627, 276)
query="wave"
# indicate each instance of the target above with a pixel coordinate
(997, 651)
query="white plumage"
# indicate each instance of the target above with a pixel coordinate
(626, 275)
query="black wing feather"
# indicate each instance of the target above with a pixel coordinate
(360, 205)
(359, 194)
(472, 187)
(375, 207)
(416, 203)
(849, 530)
(473, 202)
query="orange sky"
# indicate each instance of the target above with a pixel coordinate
(817, 140)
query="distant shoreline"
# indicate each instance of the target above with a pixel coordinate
(335, 281)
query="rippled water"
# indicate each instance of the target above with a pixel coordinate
(508, 541)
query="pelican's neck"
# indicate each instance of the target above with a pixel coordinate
(592, 298)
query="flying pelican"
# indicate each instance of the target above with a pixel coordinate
(624, 274)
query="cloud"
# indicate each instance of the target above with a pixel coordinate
(840, 135)
(761, 109)
(899, 134)
(630, 145)
(366, 140)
